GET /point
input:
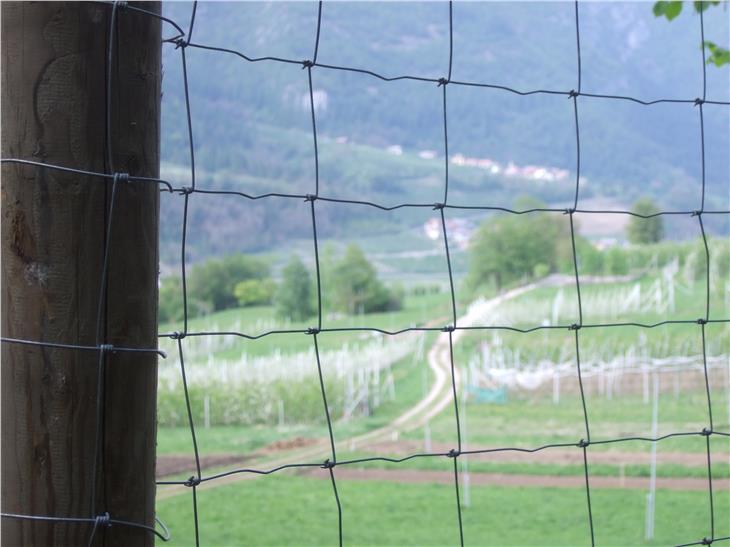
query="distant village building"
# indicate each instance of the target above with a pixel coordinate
(511, 170)
(319, 99)
(432, 229)
(427, 154)
(395, 149)
(459, 230)
(531, 172)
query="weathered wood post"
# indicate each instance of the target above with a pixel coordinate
(54, 67)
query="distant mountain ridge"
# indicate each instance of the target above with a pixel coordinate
(252, 123)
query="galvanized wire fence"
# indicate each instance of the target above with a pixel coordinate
(183, 40)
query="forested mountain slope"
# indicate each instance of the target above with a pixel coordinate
(252, 121)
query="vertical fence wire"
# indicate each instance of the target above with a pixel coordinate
(183, 40)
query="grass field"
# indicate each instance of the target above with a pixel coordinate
(290, 510)
(528, 423)
(299, 509)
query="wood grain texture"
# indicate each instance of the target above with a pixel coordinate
(53, 240)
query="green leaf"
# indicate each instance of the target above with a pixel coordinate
(701, 6)
(670, 10)
(718, 55)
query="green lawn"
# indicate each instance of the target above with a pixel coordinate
(290, 510)
(529, 422)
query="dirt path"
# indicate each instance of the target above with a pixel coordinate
(438, 399)
(172, 464)
(178, 463)
(558, 456)
(502, 479)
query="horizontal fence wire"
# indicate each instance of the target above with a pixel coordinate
(182, 41)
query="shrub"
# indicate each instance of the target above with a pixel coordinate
(254, 292)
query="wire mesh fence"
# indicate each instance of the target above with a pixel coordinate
(182, 40)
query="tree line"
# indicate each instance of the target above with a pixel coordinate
(352, 286)
(504, 251)
(510, 249)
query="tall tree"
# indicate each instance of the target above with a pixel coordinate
(293, 298)
(511, 248)
(641, 230)
(356, 287)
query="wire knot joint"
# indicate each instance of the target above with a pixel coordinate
(448, 328)
(312, 330)
(583, 443)
(307, 64)
(106, 348)
(181, 43)
(702, 321)
(442, 81)
(192, 481)
(328, 464)
(104, 519)
(569, 211)
(121, 177)
(573, 93)
(310, 197)
(574, 326)
(706, 432)
(696, 213)
(706, 541)
(438, 206)
(177, 335)
(453, 453)
(186, 190)
(699, 101)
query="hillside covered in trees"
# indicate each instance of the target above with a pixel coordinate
(383, 141)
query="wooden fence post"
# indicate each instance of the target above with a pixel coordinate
(54, 66)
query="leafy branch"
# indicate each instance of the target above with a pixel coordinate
(671, 9)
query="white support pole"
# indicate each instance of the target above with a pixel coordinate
(466, 485)
(556, 387)
(676, 384)
(465, 442)
(611, 380)
(376, 387)
(206, 412)
(727, 383)
(651, 496)
(601, 382)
